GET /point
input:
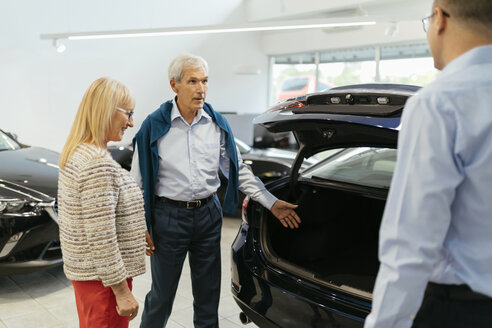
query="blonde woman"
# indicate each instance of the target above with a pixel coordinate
(102, 225)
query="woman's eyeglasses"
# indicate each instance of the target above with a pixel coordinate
(129, 113)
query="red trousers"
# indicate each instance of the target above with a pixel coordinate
(96, 305)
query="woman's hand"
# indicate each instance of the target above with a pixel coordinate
(126, 304)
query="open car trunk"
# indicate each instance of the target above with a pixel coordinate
(336, 244)
(341, 200)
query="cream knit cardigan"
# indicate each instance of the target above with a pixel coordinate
(102, 222)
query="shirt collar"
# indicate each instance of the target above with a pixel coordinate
(475, 56)
(175, 114)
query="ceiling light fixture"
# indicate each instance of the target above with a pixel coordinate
(201, 30)
(392, 29)
(60, 47)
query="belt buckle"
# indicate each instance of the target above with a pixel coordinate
(193, 204)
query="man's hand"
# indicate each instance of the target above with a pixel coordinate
(126, 304)
(149, 251)
(285, 214)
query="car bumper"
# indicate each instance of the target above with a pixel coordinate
(271, 298)
(37, 247)
(254, 316)
(28, 266)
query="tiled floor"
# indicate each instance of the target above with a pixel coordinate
(45, 299)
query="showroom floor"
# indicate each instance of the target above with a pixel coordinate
(45, 299)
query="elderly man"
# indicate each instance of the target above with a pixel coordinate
(179, 150)
(435, 237)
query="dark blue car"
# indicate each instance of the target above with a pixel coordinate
(322, 274)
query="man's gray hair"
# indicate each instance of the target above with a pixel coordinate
(185, 61)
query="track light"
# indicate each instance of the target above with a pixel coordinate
(392, 29)
(258, 27)
(60, 47)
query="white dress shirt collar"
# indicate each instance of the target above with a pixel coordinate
(175, 113)
(475, 56)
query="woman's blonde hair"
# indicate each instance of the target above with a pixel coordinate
(93, 118)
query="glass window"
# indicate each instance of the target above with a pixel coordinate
(367, 166)
(344, 73)
(292, 80)
(416, 71)
(294, 83)
(295, 75)
(7, 143)
(322, 86)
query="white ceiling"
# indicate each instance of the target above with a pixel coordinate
(398, 19)
(378, 10)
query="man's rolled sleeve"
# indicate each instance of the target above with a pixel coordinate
(249, 184)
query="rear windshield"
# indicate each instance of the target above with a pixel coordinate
(365, 166)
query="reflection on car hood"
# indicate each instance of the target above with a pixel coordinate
(273, 153)
(33, 167)
(280, 155)
(10, 190)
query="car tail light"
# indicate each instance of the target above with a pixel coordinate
(244, 214)
(289, 104)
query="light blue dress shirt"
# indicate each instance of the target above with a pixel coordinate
(190, 156)
(437, 224)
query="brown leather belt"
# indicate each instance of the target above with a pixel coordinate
(188, 205)
(454, 292)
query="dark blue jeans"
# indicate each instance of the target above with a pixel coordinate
(177, 232)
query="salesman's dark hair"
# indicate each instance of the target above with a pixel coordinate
(474, 13)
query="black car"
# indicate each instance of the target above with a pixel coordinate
(267, 164)
(322, 274)
(28, 185)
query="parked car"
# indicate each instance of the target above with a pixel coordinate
(28, 186)
(267, 164)
(322, 274)
(300, 85)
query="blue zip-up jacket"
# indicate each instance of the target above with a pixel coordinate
(153, 128)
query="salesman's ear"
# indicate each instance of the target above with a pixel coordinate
(440, 21)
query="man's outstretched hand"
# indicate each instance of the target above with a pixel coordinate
(285, 214)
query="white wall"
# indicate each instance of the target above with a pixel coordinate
(41, 89)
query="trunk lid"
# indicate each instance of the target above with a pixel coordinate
(359, 115)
